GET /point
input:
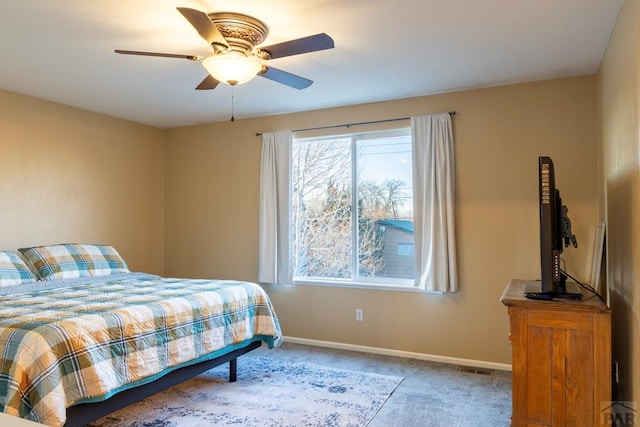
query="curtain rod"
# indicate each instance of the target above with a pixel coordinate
(451, 113)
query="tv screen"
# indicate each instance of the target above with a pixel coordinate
(555, 229)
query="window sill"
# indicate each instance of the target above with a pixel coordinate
(366, 286)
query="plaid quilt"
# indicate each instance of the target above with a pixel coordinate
(74, 341)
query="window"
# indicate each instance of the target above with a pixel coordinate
(332, 247)
(352, 209)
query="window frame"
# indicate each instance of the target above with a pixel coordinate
(378, 283)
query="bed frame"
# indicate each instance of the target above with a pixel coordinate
(82, 414)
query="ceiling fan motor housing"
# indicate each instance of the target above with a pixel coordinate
(242, 32)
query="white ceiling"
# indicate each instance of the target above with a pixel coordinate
(62, 50)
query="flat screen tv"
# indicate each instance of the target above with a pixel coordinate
(555, 232)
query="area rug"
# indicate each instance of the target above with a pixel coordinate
(268, 393)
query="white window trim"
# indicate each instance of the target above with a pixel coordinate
(358, 285)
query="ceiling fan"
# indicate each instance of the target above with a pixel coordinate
(236, 57)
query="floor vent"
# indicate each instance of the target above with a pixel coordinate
(472, 370)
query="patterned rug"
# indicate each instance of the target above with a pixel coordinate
(268, 393)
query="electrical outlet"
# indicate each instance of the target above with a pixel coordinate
(359, 314)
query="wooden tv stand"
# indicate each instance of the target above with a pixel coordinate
(561, 359)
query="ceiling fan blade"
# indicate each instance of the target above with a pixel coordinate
(163, 55)
(203, 25)
(296, 47)
(285, 78)
(208, 83)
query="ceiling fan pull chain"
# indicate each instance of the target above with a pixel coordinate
(233, 119)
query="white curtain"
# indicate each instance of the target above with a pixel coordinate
(433, 198)
(275, 200)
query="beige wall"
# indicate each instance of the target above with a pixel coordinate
(212, 178)
(620, 147)
(68, 175)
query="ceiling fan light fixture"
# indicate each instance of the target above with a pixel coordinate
(238, 55)
(232, 67)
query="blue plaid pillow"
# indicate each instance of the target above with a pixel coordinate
(71, 260)
(13, 270)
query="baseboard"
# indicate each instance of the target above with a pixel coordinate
(399, 353)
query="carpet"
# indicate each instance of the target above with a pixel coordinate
(268, 393)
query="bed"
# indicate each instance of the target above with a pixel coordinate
(81, 335)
